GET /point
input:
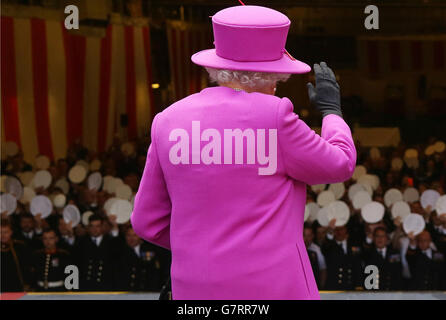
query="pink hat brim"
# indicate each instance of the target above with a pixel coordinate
(209, 58)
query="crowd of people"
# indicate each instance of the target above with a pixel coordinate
(406, 261)
(110, 256)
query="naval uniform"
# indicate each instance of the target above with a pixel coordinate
(356, 230)
(48, 269)
(67, 243)
(439, 238)
(389, 265)
(31, 239)
(14, 266)
(96, 258)
(165, 260)
(319, 265)
(427, 268)
(139, 269)
(312, 255)
(343, 265)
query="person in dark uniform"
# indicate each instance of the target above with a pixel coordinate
(96, 256)
(165, 258)
(316, 257)
(427, 266)
(48, 264)
(343, 260)
(438, 231)
(139, 266)
(314, 265)
(387, 259)
(355, 227)
(27, 232)
(66, 236)
(369, 228)
(14, 261)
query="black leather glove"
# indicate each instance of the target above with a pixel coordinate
(326, 97)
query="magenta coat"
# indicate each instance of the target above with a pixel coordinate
(235, 231)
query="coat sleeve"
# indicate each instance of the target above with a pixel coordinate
(314, 159)
(152, 206)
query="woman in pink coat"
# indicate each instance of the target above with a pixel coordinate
(224, 185)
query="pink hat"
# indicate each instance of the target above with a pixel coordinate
(250, 38)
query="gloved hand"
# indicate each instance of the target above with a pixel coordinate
(326, 97)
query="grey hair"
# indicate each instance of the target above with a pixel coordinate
(252, 79)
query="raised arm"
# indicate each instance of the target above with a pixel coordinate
(308, 157)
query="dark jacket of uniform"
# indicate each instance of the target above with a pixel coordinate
(97, 264)
(343, 270)
(165, 259)
(390, 267)
(427, 274)
(314, 265)
(14, 266)
(138, 273)
(35, 243)
(63, 244)
(355, 230)
(48, 269)
(439, 238)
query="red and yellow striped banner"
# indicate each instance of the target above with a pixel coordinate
(184, 40)
(58, 88)
(380, 56)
